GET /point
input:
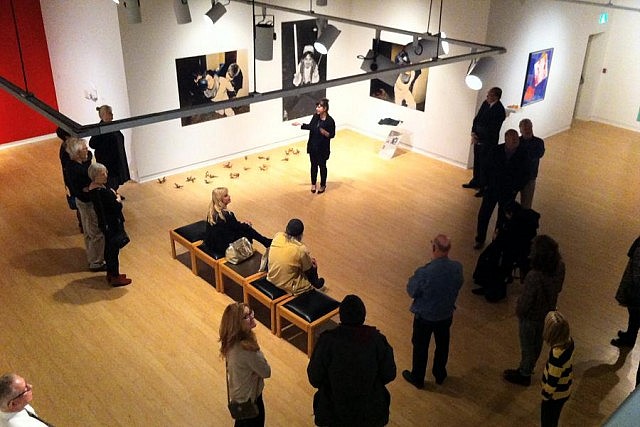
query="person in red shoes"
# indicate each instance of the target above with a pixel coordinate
(108, 207)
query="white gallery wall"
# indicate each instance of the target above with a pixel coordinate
(83, 38)
(528, 26)
(618, 94)
(132, 67)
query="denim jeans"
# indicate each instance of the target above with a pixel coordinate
(530, 344)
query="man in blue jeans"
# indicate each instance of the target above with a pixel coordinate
(434, 289)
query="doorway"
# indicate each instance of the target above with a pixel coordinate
(590, 77)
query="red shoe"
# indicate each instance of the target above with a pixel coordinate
(120, 280)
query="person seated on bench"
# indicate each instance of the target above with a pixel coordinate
(510, 247)
(291, 266)
(223, 227)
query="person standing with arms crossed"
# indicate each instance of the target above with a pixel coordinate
(434, 289)
(321, 129)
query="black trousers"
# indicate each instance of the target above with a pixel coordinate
(111, 253)
(312, 276)
(550, 412)
(422, 331)
(250, 233)
(254, 422)
(318, 162)
(489, 202)
(631, 334)
(480, 152)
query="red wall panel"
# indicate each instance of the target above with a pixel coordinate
(17, 121)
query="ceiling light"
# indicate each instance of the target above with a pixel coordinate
(264, 37)
(216, 11)
(479, 72)
(376, 62)
(423, 49)
(133, 11)
(328, 36)
(181, 9)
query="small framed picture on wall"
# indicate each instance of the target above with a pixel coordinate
(535, 82)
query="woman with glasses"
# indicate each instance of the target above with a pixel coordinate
(15, 402)
(246, 365)
(321, 129)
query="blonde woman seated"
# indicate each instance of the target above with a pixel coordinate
(223, 227)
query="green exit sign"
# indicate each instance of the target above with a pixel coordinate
(604, 18)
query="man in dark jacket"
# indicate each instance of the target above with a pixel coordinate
(485, 134)
(350, 367)
(507, 172)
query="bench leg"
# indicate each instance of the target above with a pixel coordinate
(310, 341)
(173, 247)
(194, 263)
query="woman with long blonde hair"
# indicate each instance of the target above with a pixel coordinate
(223, 227)
(557, 377)
(246, 365)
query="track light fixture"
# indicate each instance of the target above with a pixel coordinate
(216, 11)
(479, 72)
(264, 36)
(328, 35)
(422, 49)
(133, 11)
(181, 9)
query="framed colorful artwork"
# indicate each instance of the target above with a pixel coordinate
(535, 82)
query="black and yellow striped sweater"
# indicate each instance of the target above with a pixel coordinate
(558, 373)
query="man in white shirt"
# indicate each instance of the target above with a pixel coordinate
(15, 396)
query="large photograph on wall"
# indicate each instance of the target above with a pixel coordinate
(408, 89)
(210, 78)
(301, 66)
(535, 83)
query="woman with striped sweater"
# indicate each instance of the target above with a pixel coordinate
(558, 371)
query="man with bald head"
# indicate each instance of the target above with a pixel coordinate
(15, 396)
(434, 289)
(507, 173)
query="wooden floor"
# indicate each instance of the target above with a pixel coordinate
(147, 354)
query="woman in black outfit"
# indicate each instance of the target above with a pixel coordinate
(223, 227)
(110, 219)
(321, 129)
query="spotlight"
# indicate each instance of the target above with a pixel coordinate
(375, 62)
(479, 72)
(423, 49)
(264, 40)
(133, 11)
(216, 11)
(181, 9)
(328, 35)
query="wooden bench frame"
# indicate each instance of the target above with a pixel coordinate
(309, 328)
(252, 291)
(174, 238)
(227, 271)
(210, 261)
